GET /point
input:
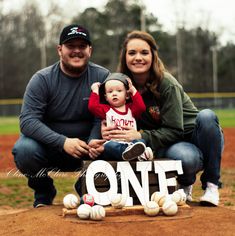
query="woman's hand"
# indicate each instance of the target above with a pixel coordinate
(105, 131)
(126, 133)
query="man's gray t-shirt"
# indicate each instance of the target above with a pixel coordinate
(56, 106)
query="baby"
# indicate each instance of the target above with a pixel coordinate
(118, 102)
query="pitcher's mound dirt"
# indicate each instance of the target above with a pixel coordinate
(49, 221)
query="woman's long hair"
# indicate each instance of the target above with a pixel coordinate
(157, 68)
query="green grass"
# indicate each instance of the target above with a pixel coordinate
(226, 117)
(10, 125)
(14, 191)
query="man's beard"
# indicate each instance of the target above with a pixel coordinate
(72, 69)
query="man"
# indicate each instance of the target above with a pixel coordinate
(58, 130)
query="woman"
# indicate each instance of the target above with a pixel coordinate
(171, 125)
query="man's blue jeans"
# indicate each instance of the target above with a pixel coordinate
(202, 152)
(34, 160)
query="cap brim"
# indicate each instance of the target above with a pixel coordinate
(76, 37)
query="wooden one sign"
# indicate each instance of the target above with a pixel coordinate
(128, 178)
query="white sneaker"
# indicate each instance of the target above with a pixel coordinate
(211, 195)
(133, 151)
(147, 155)
(188, 190)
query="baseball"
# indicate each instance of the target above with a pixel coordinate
(183, 197)
(118, 201)
(170, 208)
(97, 212)
(151, 208)
(159, 198)
(84, 211)
(88, 199)
(71, 201)
(176, 197)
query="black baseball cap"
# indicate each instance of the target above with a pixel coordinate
(113, 76)
(74, 31)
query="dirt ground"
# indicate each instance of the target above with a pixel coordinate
(49, 221)
(196, 220)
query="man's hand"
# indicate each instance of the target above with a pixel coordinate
(76, 147)
(96, 147)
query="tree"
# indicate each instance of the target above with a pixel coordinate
(28, 42)
(108, 28)
(20, 49)
(196, 59)
(226, 65)
(21, 38)
(166, 50)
